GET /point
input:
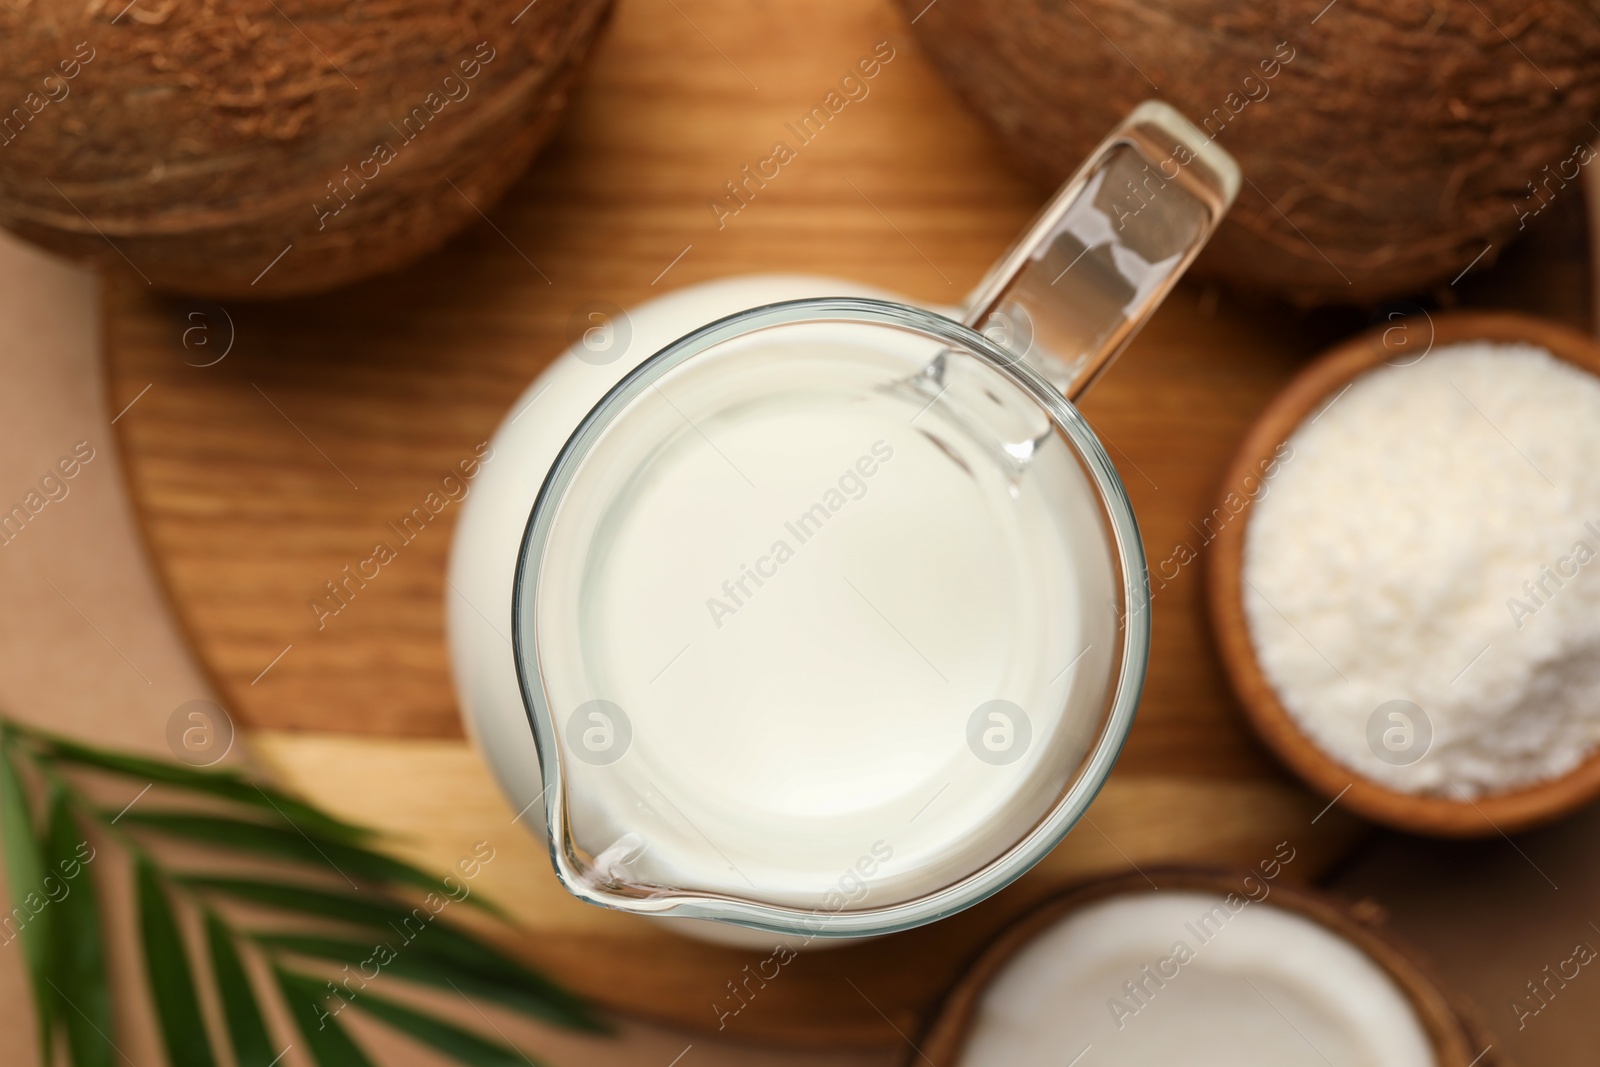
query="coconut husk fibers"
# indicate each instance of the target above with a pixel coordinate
(202, 134)
(1397, 144)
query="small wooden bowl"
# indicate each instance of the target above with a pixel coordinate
(1458, 1038)
(1398, 343)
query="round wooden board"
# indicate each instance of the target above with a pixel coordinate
(260, 476)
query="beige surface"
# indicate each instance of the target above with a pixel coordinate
(86, 644)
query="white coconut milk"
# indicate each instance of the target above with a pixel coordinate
(805, 576)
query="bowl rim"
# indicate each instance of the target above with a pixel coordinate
(1454, 1030)
(1334, 370)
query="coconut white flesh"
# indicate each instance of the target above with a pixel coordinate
(1260, 985)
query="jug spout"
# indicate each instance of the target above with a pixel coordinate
(1072, 291)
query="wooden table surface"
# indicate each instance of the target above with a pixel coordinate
(259, 476)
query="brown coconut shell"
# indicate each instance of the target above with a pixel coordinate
(195, 141)
(1397, 143)
(1453, 1024)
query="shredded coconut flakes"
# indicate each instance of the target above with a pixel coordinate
(1436, 539)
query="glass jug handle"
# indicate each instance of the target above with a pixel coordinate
(1072, 291)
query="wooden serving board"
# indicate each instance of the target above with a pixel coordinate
(260, 476)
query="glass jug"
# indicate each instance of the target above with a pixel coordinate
(829, 619)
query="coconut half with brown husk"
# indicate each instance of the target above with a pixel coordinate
(1213, 967)
(193, 144)
(1386, 146)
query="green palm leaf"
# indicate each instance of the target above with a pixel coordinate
(330, 1046)
(57, 917)
(418, 962)
(460, 1045)
(25, 879)
(299, 843)
(315, 901)
(440, 938)
(183, 1028)
(225, 784)
(77, 955)
(247, 1030)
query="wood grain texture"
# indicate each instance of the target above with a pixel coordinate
(260, 476)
